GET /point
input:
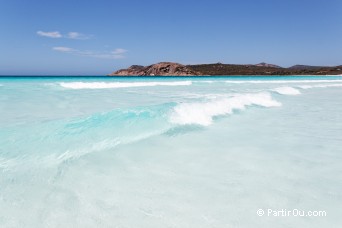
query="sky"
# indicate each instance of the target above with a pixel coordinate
(96, 37)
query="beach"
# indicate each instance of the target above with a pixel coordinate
(170, 152)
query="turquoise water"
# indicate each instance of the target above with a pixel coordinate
(170, 152)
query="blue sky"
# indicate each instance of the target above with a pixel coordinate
(96, 37)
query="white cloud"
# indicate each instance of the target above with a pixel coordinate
(70, 35)
(116, 54)
(55, 34)
(63, 49)
(77, 36)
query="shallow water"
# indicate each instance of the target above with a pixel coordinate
(170, 152)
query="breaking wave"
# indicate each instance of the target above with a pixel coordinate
(202, 113)
(286, 90)
(111, 85)
(320, 86)
(280, 81)
(104, 131)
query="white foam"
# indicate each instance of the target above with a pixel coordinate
(109, 85)
(280, 81)
(202, 113)
(320, 86)
(286, 90)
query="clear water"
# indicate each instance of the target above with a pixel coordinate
(170, 152)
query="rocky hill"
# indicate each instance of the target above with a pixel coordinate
(159, 69)
(176, 69)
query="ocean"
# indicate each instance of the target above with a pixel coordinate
(171, 152)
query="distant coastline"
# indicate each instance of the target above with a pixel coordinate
(220, 69)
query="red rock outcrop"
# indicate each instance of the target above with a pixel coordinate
(159, 69)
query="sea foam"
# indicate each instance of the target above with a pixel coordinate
(286, 90)
(110, 85)
(320, 86)
(280, 81)
(202, 113)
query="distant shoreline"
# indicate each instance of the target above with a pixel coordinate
(160, 76)
(220, 69)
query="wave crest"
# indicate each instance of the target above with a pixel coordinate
(202, 113)
(286, 90)
(319, 86)
(281, 81)
(111, 85)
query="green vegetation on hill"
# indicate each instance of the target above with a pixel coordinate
(176, 69)
(232, 69)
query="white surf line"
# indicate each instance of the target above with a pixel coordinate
(282, 81)
(286, 90)
(110, 85)
(319, 86)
